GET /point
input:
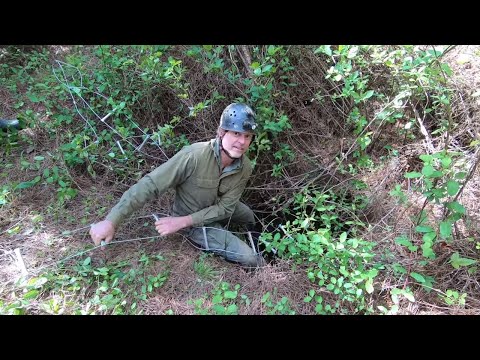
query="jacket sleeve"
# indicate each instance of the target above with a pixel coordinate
(152, 185)
(224, 207)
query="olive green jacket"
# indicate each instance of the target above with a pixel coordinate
(202, 189)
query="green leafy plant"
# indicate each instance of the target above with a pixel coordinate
(104, 290)
(339, 262)
(282, 307)
(452, 297)
(458, 261)
(439, 182)
(223, 301)
(203, 268)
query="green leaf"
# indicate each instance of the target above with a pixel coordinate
(409, 296)
(447, 69)
(33, 97)
(411, 175)
(230, 294)
(426, 158)
(76, 90)
(352, 52)
(460, 175)
(368, 94)
(429, 237)
(417, 277)
(25, 185)
(399, 268)
(428, 284)
(436, 174)
(265, 297)
(446, 161)
(456, 206)
(232, 309)
(343, 237)
(423, 229)
(324, 49)
(458, 261)
(472, 270)
(452, 187)
(445, 229)
(369, 285)
(267, 68)
(402, 240)
(428, 170)
(427, 251)
(217, 299)
(39, 158)
(305, 223)
(31, 294)
(87, 261)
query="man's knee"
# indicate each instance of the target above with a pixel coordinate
(250, 259)
(250, 219)
(255, 261)
(243, 214)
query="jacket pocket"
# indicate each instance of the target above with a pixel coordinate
(222, 189)
(204, 192)
(207, 183)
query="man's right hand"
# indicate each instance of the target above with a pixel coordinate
(103, 230)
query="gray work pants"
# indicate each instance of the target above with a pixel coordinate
(217, 239)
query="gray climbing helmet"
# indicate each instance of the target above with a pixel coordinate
(238, 117)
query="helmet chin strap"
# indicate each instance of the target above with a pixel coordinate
(225, 151)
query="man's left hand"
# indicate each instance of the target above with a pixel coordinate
(170, 225)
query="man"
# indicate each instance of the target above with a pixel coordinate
(209, 179)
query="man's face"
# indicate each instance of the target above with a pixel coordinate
(237, 143)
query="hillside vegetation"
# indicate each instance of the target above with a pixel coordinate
(365, 180)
